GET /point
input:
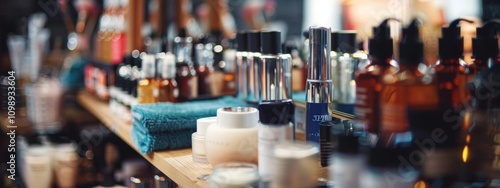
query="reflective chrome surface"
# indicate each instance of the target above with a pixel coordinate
(345, 73)
(319, 49)
(242, 75)
(276, 77)
(253, 78)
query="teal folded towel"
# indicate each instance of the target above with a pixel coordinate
(299, 96)
(164, 126)
(174, 116)
(147, 143)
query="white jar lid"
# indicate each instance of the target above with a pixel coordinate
(237, 117)
(203, 123)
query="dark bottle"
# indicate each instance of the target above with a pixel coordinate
(410, 97)
(369, 81)
(204, 68)
(135, 74)
(186, 74)
(451, 70)
(168, 88)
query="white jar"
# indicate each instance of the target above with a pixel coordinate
(234, 137)
(198, 139)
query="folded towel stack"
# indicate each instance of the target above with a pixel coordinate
(165, 126)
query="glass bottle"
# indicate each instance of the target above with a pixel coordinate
(147, 87)
(168, 89)
(186, 74)
(204, 67)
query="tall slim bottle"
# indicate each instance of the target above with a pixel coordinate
(147, 88)
(168, 88)
(319, 86)
(451, 69)
(369, 81)
(276, 68)
(186, 74)
(347, 68)
(254, 88)
(242, 65)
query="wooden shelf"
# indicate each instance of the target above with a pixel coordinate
(178, 165)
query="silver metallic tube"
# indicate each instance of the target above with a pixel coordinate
(253, 57)
(276, 77)
(242, 74)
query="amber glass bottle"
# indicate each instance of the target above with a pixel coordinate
(204, 67)
(368, 82)
(186, 74)
(168, 89)
(147, 87)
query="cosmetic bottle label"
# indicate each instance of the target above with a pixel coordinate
(315, 114)
(366, 98)
(268, 137)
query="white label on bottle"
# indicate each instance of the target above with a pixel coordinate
(268, 137)
(176, 92)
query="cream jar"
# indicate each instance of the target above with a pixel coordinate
(198, 139)
(234, 137)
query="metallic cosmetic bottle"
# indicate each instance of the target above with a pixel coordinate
(276, 69)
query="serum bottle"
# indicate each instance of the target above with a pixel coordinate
(168, 88)
(319, 83)
(147, 87)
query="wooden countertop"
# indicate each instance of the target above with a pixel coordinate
(178, 164)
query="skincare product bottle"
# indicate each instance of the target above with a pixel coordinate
(368, 82)
(234, 175)
(147, 88)
(135, 75)
(486, 65)
(186, 74)
(275, 118)
(451, 70)
(198, 138)
(234, 137)
(254, 81)
(168, 88)
(299, 67)
(275, 68)
(295, 165)
(334, 55)
(242, 68)
(319, 85)
(347, 67)
(204, 67)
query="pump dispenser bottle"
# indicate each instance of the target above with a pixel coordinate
(451, 69)
(276, 68)
(368, 82)
(319, 84)
(254, 81)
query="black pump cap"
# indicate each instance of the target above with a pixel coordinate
(451, 44)
(485, 44)
(346, 41)
(270, 42)
(253, 41)
(305, 34)
(411, 48)
(380, 45)
(334, 41)
(242, 41)
(288, 47)
(276, 112)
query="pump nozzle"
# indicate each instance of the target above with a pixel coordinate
(411, 48)
(380, 45)
(485, 44)
(451, 44)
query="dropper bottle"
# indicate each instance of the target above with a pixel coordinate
(451, 69)
(368, 82)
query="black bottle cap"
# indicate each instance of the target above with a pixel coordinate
(253, 41)
(305, 34)
(411, 48)
(276, 112)
(334, 41)
(380, 45)
(451, 44)
(242, 41)
(346, 41)
(270, 42)
(182, 33)
(485, 44)
(288, 47)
